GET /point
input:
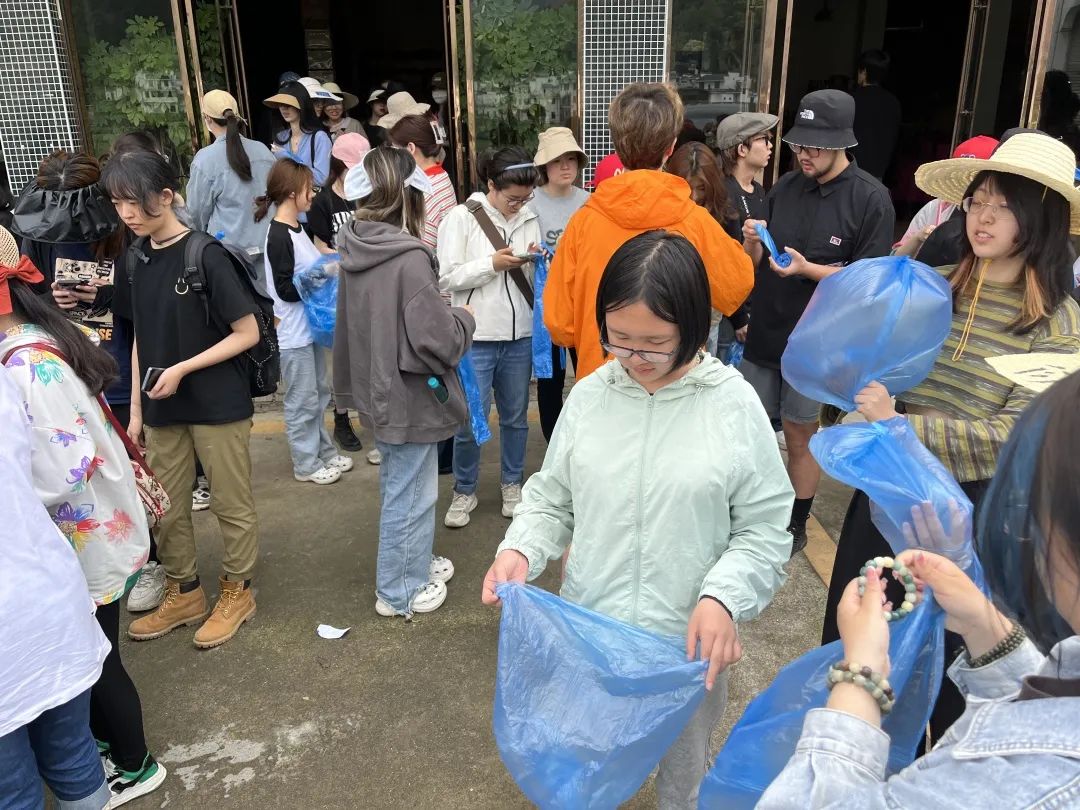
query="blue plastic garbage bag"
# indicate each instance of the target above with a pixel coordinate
(541, 337)
(765, 737)
(318, 286)
(887, 461)
(734, 354)
(585, 706)
(477, 415)
(877, 319)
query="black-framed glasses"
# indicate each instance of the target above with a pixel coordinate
(765, 136)
(516, 200)
(811, 151)
(648, 356)
(970, 205)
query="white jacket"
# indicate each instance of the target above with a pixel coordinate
(466, 271)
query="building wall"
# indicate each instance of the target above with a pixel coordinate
(38, 112)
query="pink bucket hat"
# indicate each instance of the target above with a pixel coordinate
(350, 149)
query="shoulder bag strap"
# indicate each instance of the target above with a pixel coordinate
(476, 208)
(133, 451)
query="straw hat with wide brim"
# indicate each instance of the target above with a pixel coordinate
(282, 99)
(1032, 155)
(348, 100)
(398, 106)
(556, 142)
(9, 248)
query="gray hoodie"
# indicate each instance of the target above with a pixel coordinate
(393, 332)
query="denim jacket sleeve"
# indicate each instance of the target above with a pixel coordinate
(1001, 679)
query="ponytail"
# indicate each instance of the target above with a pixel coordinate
(235, 153)
(262, 207)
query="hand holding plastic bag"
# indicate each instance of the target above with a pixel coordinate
(765, 737)
(585, 706)
(882, 319)
(317, 286)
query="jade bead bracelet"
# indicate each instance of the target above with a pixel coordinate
(900, 573)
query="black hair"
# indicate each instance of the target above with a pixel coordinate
(309, 121)
(1030, 504)
(1043, 218)
(92, 364)
(338, 170)
(138, 140)
(665, 272)
(494, 166)
(235, 153)
(876, 64)
(139, 176)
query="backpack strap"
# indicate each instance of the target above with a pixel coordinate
(476, 208)
(135, 253)
(194, 275)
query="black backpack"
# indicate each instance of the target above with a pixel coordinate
(262, 362)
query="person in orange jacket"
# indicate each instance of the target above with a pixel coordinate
(644, 120)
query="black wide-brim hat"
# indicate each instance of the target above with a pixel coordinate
(825, 120)
(64, 217)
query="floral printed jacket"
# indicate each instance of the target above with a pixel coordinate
(79, 466)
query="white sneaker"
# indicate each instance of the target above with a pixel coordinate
(441, 569)
(511, 497)
(781, 441)
(457, 516)
(200, 496)
(324, 475)
(428, 598)
(374, 457)
(341, 463)
(149, 589)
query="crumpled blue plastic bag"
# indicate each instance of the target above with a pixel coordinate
(887, 461)
(881, 319)
(734, 354)
(317, 285)
(477, 415)
(585, 706)
(541, 337)
(765, 737)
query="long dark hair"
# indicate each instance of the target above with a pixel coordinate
(1032, 503)
(309, 121)
(1043, 218)
(92, 364)
(235, 153)
(64, 171)
(665, 272)
(139, 176)
(696, 161)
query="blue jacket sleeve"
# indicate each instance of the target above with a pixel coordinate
(321, 167)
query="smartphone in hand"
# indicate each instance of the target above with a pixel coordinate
(150, 378)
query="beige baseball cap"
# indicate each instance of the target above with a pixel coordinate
(217, 102)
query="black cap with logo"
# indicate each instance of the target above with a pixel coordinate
(825, 120)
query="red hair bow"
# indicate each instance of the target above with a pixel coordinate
(24, 270)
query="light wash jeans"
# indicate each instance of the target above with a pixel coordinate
(409, 489)
(506, 366)
(307, 394)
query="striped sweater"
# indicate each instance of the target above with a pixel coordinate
(981, 406)
(437, 204)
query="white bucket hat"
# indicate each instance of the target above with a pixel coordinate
(1033, 155)
(316, 91)
(398, 106)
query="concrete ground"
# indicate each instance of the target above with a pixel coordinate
(396, 714)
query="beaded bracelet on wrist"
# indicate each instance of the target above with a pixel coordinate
(1001, 649)
(900, 573)
(873, 682)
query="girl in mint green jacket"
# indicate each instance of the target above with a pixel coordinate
(664, 472)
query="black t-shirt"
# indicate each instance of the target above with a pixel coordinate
(849, 218)
(328, 213)
(113, 329)
(747, 205)
(171, 326)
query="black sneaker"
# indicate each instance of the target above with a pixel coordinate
(344, 434)
(798, 538)
(128, 785)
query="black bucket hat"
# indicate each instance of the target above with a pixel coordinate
(64, 217)
(825, 120)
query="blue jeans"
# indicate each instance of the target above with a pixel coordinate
(506, 366)
(409, 489)
(56, 746)
(306, 396)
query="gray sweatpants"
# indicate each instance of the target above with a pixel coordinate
(683, 767)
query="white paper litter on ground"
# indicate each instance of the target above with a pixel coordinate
(326, 631)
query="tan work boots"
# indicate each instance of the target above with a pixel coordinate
(235, 606)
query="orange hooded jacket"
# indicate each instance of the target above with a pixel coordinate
(621, 208)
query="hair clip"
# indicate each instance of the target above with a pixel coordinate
(529, 165)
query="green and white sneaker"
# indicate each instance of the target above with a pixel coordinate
(128, 785)
(103, 749)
